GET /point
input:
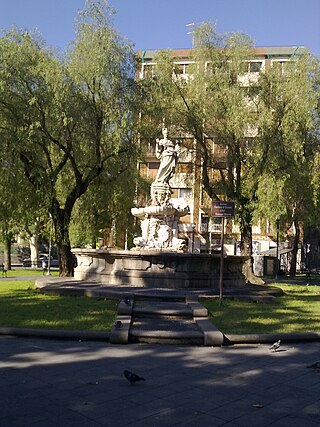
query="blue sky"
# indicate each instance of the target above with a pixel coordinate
(155, 24)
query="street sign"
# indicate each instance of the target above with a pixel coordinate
(222, 209)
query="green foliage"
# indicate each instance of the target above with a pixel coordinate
(70, 119)
(105, 203)
(264, 122)
(287, 188)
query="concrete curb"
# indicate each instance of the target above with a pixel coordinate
(211, 335)
(57, 334)
(270, 338)
(229, 339)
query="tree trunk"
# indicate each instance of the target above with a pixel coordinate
(34, 250)
(293, 262)
(61, 221)
(246, 247)
(7, 251)
(65, 260)
(94, 242)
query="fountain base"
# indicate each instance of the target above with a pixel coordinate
(158, 269)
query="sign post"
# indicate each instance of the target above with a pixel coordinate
(222, 210)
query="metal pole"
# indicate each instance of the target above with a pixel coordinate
(221, 261)
(277, 254)
(193, 228)
(50, 239)
(126, 240)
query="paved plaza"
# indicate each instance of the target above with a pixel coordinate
(64, 383)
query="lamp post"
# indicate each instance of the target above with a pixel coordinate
(277, 254)
(221, 262)
(193, 228)
(50, 240)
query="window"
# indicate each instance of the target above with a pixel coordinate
(184, 168)
(185, 193)
(181, 193)
(154, 165)
(251, 67)
(219, 151)
(179, 68)
(143, 168)
(153, 169)
(282, 66)
(255, 66)
(148, 70)
(204, 224)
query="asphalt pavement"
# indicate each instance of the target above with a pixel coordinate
(46, 383)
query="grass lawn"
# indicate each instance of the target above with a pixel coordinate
(18, 272)
(297, 311)
(22, 306)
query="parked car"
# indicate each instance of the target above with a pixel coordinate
(54, 262)
(26, 262)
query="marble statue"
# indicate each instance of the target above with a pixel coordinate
(160, 219)
(168, 153)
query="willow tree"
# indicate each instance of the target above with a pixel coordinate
(17, 198)
(94, 219)
(71, 117)
(289, 187)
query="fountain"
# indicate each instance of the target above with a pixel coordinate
(159, 258)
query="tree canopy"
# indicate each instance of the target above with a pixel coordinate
(71, 118)
(262, 120)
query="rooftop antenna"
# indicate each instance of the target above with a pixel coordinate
(191, 29)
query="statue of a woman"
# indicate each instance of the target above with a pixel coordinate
(168, 153)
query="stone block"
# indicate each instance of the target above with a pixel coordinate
(212, 335)
(120, 330)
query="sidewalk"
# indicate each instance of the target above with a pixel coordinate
(49, 383)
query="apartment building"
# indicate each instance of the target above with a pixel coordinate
(203, 230)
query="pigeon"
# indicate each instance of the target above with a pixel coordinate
(127, 301)
(131, 377)
(118, 324)
(315, 366)
(275, 346)
(258, 405)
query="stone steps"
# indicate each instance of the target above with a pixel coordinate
(170, 331)
(164, 320)
(166, 309)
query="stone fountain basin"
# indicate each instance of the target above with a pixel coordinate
(158, 269)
